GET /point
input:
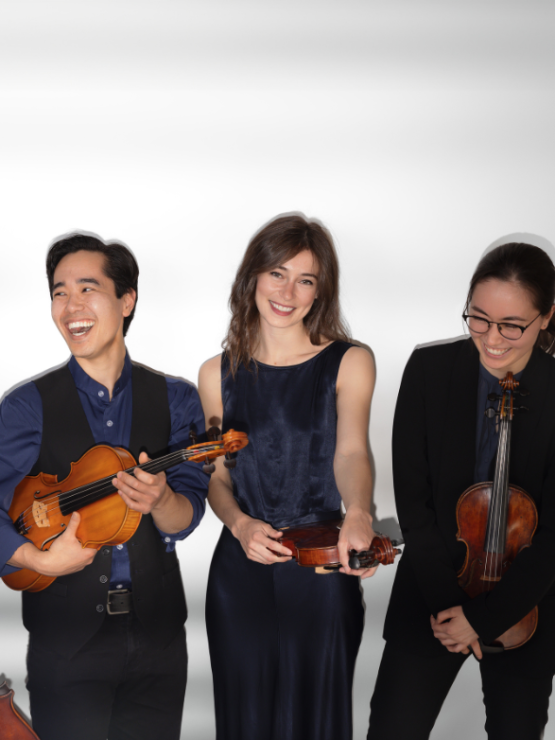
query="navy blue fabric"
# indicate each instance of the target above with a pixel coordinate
(110, 422)
(283, 639)
(286, 475)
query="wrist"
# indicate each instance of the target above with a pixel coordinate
(26, 556)
(355, 510)
(238, 523)
(165, 500)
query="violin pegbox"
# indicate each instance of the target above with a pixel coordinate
(219, 444)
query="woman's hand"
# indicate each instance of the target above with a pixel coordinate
(356, 534)
(259, 541)
(455, 632)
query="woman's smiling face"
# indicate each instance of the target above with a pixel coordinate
(500, 301)
(285, 295)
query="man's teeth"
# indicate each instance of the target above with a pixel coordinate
(78, 328)
(287, 309)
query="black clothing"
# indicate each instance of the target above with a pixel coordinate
(434, 456)
(433, 459)
(118, 686)
(411, 689)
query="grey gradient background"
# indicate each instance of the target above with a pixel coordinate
(419, 132)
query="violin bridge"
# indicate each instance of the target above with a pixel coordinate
(492, 579)
(40, 514)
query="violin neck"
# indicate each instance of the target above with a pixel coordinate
(496, 532)
(75, 499)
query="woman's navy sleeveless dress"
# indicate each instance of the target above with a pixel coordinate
(283, 639)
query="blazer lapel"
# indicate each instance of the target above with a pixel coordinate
(459, 424)
(526, 424)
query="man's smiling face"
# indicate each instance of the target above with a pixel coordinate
(85, 307)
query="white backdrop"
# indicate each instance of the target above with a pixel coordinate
(418, 132)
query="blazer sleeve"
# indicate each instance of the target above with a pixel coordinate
(426, 548)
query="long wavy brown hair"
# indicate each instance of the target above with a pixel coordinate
(277, 242)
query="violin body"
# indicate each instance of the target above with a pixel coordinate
(12, 724)
(108, 521)
(475, 576)
(315, 546)
(42, 507)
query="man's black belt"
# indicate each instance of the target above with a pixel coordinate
(120, 601)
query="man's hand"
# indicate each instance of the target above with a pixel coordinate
(66, 554)
(455, 632)
(143, 491)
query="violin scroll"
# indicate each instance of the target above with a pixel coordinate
(381, 552)
(227, 445)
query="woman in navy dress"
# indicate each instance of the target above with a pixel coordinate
(284, 639)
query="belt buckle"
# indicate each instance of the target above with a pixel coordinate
(119, 592)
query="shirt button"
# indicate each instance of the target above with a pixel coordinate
(101, 394)
(120, 585)
(167, 539)
(99, 608)
(120, 547)
(110, 423)
(103, 579)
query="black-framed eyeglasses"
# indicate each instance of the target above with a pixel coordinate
(479, 325)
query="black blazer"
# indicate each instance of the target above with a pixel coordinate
(434, 443)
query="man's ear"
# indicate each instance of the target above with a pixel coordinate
(129, 299)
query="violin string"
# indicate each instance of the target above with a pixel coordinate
(90, 490)
(96, 487)
(498, 499)
(501, 508)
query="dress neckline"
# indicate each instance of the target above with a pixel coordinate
(298, 364)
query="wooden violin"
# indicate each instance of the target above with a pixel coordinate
(12, 724)
(42, 506)
(496, 521)
(315, 546)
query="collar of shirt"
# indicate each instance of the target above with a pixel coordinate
(96, 390)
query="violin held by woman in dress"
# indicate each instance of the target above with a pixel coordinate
(315, 546)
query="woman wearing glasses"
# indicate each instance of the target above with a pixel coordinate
(443, 443)
(284, 639)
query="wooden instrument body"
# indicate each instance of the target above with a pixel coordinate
(12, 724)
(315, 545)
(472, 517)
(105, 522)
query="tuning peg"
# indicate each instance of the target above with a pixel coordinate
(490, 412)
(493, 397)
(193, 436)
(214, 434)
(229, 462)
(208, 468)
(522, 408)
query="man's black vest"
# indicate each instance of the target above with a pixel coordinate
(69, 612)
